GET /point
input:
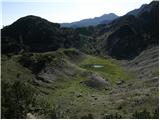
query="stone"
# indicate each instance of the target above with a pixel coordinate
(93, 103)
(96, 81)
(79, 95)
(120, 82)
(106, 89)
(81, 82)
(95, 98)
(92, 95)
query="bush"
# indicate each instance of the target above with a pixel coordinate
(33, 62)
(112, 116)
(142, 114)
(89, 116)
(156, 114)
(17, 98)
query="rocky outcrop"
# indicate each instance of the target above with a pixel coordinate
(96, 81)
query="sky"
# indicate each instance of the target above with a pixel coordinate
(60, 11)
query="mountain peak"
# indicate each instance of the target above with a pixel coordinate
(111, 14)
(32, 21)
(32, 18)
(143, 8)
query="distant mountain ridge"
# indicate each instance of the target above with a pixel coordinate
(91, 21)
(123, 38)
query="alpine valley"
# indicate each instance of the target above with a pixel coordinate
(103, 68)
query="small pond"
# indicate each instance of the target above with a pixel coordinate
(97, 66)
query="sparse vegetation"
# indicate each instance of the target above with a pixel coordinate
(146, 114)
(89, 116)
(112, 116)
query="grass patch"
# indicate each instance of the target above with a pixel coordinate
(63, 93)
(155, 73)
(109, 71)
(12, 70)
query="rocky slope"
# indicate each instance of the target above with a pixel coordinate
(146, 64)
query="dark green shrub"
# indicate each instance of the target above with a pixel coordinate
(17, 98)
(89, 116)
(112, 116)
(142, 114)
(156, 114)
(34, 63)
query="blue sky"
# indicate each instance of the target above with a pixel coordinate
(65, 10)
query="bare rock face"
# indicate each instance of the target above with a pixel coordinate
(96, 81)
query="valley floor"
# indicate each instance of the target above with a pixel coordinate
(64, 83)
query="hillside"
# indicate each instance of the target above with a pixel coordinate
(66, 79)
(70, 86)
(53, 73)
(127, 36)
(35, 34)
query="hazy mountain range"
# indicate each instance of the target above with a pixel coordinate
(106, 18)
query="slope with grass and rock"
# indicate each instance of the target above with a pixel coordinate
(62, 82)
(107, 71)
(72, 88)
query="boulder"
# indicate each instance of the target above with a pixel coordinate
(79, 95)
(96, 81)
(119, 82)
